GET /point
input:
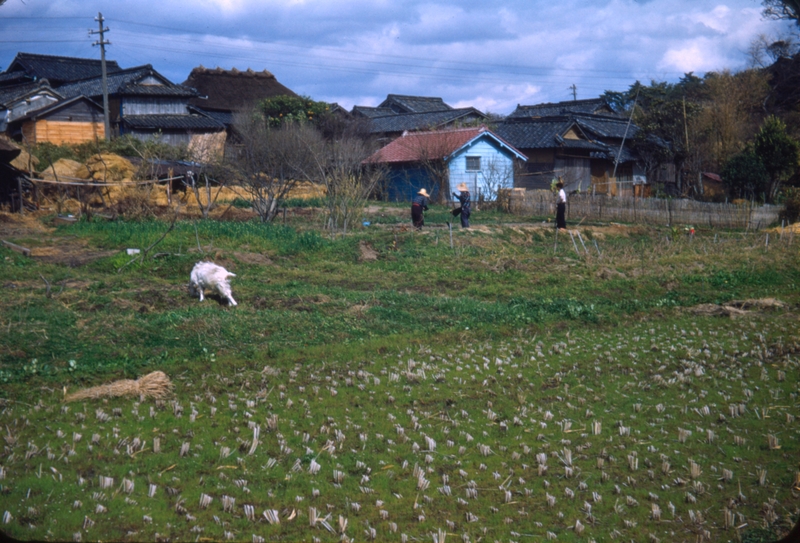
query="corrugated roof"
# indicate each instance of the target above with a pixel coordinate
(400, 103)
(416, 146)
(233, 90)
(59, 69)
(422, 121)
(125, 83)
(171, 122)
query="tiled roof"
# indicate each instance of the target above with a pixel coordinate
(14, 78)
(233, 90)
(417, 146)
(224, 117)
(538, 134)
(413, 104)
(171, 122)
(372, 112)
(602, 126)
(11, 94)
(422, 121)
(594, 105)
(125, 83)
(59, 69)
(60, 104)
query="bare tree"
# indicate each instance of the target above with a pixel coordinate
(782, 9)
(496, 174)
(430, 150)
(269, 161)
(349, 181)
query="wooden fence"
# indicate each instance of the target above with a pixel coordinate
(655, 211)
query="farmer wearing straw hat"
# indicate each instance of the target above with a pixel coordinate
(464, 209)
(561, 206)
(418, 205)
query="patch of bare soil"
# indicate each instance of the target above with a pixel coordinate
(386, 211)
(256, 259)
(368, 254)
(230, 213)
(71, 252)
(16, 225)
(737, 308)
(608, 273)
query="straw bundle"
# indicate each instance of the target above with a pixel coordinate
(155, 385)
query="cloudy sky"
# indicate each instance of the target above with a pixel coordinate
(491, 55)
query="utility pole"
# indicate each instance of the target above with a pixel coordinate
(574, 90)
(102, 42)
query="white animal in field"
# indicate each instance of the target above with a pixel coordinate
(207, 275)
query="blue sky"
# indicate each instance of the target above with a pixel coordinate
(490, 55)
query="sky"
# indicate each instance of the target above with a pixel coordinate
(492, 55)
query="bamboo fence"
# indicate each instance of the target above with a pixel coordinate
(669, 212)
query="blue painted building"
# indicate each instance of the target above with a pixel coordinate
(439, 161)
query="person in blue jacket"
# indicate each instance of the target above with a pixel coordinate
(465, 209)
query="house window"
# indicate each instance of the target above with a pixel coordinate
(473, 163)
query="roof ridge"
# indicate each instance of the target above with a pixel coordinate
(233, 71)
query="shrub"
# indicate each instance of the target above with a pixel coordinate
(745, 176)
(791, 203)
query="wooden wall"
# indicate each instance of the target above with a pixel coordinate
(496, 170)
(59, 132)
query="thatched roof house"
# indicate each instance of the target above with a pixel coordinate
(224, 92)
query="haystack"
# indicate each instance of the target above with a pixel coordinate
(153, 385)
(64, 168)
(25, 162)
(110, 168)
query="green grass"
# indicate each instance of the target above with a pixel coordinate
(499, 349)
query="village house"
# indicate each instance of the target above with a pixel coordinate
(54, 99)
(440, 160)
(222, 93)
(399, 113)
(583, 142)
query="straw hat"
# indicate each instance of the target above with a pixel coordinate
(462, 188)
(424, 193)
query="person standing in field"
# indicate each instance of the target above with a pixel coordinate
(561, 206)
(418, 205)
(464, 210)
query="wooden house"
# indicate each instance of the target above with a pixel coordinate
(440, 160)
(221, 93)
(593, 106)
(145, 104)
(76, 120)
(19, 100)
(399, 113)
(586, 149)
(58, 70)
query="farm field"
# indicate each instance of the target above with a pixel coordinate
(635, 384)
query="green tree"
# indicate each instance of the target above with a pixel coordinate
(745, 176)
(778, 153)
(663, 113)
(282, 109)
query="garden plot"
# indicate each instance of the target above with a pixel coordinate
(677, 430)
